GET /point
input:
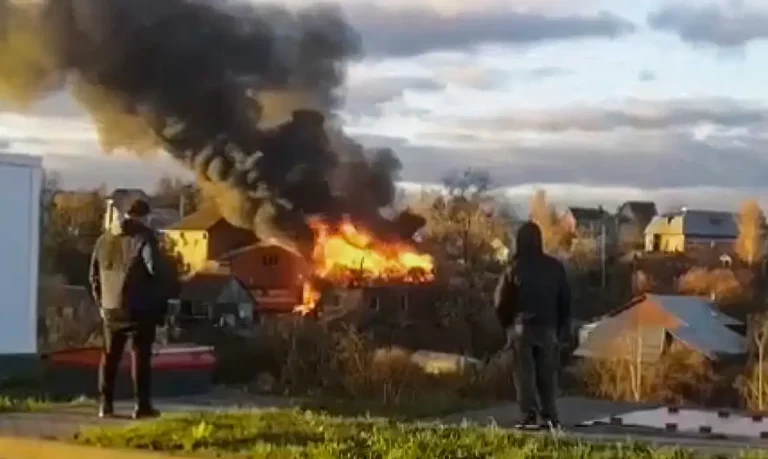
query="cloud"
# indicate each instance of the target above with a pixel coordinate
(634, 114)
(416, 31)
(644, 145)
(366, 95)
(716, 25)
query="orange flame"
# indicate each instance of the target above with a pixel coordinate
(349, 254)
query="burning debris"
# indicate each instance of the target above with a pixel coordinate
(240, 94)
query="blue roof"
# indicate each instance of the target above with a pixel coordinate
(701, 326)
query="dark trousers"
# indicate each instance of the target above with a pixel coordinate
(536, 353)
(142, 336)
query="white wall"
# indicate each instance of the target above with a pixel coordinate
(20, 186)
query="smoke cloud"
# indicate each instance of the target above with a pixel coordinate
(242, 95)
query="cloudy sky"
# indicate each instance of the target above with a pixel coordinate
(595, 100)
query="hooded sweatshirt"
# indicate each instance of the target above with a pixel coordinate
(123, 274)
(533, 290)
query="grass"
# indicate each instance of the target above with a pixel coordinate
(26, 405)
(301, 434)
(429, 407)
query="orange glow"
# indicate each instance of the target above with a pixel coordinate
(349, 254)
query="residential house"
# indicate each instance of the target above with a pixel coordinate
(120, 199)
(632, 218)
(207, 302)
(408, 316)
(648, 326)
(202, 237)
(689, 229)
(273, 274)
(590, 225)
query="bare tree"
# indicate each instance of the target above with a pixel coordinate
(750, 246)
(753, 385)
(469, 183)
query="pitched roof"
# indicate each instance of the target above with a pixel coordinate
(201, 220)
(704, 223)
(696, 322)
(643, 211)
(587, 213)
(206, 286)
(257, 245)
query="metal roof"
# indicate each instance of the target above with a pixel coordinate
(704, 327)
(706, 223)
(699, 325)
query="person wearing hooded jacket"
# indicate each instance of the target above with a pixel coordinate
(533, 304)
(131, 286)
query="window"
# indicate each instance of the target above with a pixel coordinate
(374, 303)
(404, 302)
(269, 260)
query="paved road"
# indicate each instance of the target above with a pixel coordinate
(577, 410)
(65, 422)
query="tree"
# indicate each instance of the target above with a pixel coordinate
(750, 245)
(177, 193)
(556, 236)
(470, 183)
(752, 385)
(74, 222)
(721, 285)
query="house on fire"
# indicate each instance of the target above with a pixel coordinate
(202, 237)
(271, 273)
(689, 229)
(650, 325)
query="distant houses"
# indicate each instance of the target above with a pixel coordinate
(689, 229)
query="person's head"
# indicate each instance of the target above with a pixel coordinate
(138, 210)
(529, 240)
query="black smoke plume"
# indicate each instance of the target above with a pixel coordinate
(238, 93)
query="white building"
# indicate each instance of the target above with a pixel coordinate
(21, 178)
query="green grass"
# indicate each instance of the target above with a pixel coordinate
(428, 407)
(12, 405)
(298, 434)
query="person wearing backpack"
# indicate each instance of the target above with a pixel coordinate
(131, 284)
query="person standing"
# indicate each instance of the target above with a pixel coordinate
(533, 304)
(132, 289)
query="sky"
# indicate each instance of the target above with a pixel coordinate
(596, 101)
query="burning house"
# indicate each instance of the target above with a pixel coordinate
(239, 94)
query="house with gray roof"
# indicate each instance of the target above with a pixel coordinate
(632, 218)
(649, 325)
(688, 228)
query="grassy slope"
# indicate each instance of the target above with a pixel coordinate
(290, 433)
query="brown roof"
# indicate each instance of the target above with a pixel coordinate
(201, 220)
(205, 286)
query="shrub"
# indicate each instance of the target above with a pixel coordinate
(680, 375)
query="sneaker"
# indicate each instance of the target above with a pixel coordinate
(552, 425)
(527, 423)
(145, 412)
(106, 410)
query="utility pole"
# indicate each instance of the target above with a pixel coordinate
(602, 253)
